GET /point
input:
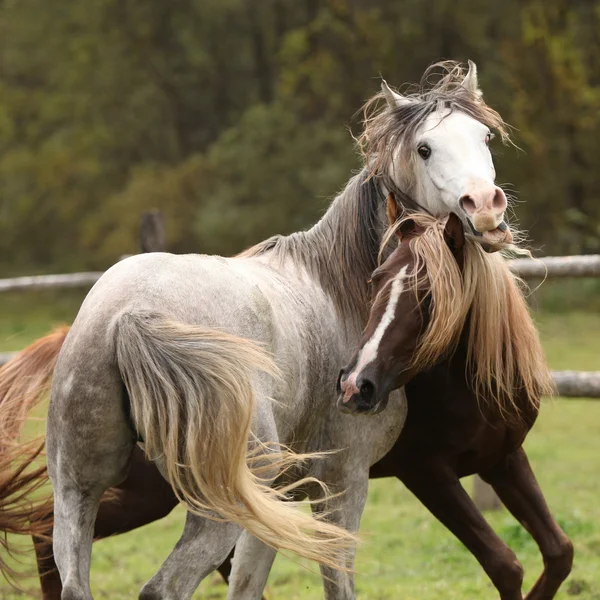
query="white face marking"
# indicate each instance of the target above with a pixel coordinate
(369, 351)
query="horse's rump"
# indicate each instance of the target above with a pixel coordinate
(192, 397)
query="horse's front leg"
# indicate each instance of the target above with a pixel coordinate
(439, 489)
(344, 509)
(514, 482)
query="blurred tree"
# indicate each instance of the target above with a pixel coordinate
(230, 115)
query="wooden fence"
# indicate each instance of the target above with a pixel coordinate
(568, 383)
(527, 268)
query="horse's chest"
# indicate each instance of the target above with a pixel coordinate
(445, 424)
(467, 436)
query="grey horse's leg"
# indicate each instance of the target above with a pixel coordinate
(203, 546)
(345, 510)
(251, 566)
(89, 446)
(205, 543)
(252, 559)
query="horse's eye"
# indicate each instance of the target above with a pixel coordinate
(488, 138)
(424, 151)
(374, 279)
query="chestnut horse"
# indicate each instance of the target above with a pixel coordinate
(469, 355)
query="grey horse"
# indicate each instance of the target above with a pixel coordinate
(198, 358)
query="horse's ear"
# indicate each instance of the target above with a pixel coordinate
(394, 99)
(470, 81)
(391, 209)
(407, 229)
(454, 234)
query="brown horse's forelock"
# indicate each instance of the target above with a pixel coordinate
(504, 354)
(441, 88)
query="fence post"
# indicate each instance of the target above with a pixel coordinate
(152, 232)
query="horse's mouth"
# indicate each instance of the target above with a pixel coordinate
(499, 235)
(360, 408)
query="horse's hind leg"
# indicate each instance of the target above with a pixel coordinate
(89, 443)
(142, 498)
(514, 481)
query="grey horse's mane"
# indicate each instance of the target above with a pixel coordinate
(340, 251)
(441, 87)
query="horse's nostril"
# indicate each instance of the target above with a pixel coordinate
(499, 202)
(467, 203)
(367, 390)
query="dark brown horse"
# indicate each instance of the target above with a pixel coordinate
(473, 387)
(458, 422)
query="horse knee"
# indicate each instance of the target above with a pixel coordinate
(559, 560)
(505, 571)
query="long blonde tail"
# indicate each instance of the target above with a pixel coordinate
(23, 381)
(192, 400)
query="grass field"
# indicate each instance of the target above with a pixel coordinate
(406, 554)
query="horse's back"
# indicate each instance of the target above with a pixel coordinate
(190, 289)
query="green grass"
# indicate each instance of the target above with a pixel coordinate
(406, 553)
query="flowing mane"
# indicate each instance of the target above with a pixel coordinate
(340, 251)
(504, 355)
(441, 88)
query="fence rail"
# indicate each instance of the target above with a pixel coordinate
(151, 239)
(557, 266)
(550, 266)
(569, 384)
(46, 282)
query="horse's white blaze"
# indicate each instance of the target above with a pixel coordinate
(369, 351)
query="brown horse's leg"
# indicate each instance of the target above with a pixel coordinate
(439, 489)
(49, 577)
(517, 487)
(145, 496)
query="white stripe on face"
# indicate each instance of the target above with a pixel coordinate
(369, 351)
